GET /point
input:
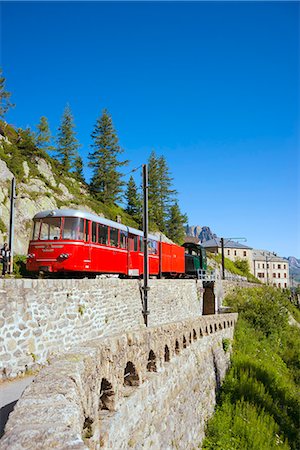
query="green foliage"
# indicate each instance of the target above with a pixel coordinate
(20, 266)
(3, 228)
(175, 224)
(258, 407)
(226, 344)
(67, 143)
(78, 169)
(134, 201)
(5, 103)
(106, 183)
(43, 135)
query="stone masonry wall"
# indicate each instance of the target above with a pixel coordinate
(39, 318)
(152, 388)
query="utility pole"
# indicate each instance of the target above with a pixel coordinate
(223, 263)
(145, 228)
(12, 223)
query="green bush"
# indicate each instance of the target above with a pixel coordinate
(20, 266)
(258, 407)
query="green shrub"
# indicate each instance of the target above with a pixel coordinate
(20, 266)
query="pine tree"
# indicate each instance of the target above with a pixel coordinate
(78, 169)
(134, 201)
(106, 182)
(153, 189)
(67, 142)
(5, 103)
(43, 135)
(175, 224)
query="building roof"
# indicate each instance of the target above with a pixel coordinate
(266, 255)
(227, 244)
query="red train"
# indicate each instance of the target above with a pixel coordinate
(71, 241)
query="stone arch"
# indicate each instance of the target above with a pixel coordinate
(184, 342)
(131, 377)
(167, 354)
(220, 326)
(151, 365)
(210, 329)
(224, 324)
(190, 338)
(177, 349)
(194, 334)
(107, 396)
(201, 332)
(228, 324)
(231, 323)
(216, 328)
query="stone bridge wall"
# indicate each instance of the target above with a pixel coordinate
(42, 317)
(151, 388)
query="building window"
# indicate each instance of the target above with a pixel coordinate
(284, 275)
(278, 275)
(258, 266)
(228, 252)
(279, 266)
(285, 285)
(279, 285)
(245, 253)
(273, 266)
(267, 266)
(274, 275)
(234, 252)
(263, 266)
(284, 266)
(261, 275)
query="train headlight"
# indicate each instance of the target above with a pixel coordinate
(30, 256)
(64, 255)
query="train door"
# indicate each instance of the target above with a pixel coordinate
(87, 246)
(133, 256)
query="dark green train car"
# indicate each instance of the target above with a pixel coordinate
(195, 259)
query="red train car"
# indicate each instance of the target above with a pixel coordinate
(71, 241)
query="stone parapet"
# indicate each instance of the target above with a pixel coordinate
(39, 317)
(149, 388)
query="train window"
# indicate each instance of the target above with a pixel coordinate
(123, 239)
(135, 244)
(102, 234)
(94, 232)
(86, 236)
(152, 247)
(114, 237)
(36, 229)
(73, 228)
(141, 244)
(50, 228)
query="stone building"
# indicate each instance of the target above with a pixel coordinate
(271, 269)
(232, 250)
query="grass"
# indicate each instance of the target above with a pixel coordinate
(238, 267)
(258, 406)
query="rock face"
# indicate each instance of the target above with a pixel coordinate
(294, 265)
(203, 233)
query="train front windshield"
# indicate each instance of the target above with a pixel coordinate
(53, 228)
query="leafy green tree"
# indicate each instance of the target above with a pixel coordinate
(78, 169)
(106, 182)
(134, 201)
(5, 103)
(175, 224)
(43, 135)
(67, 143)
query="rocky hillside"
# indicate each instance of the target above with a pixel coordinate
(294, 265)
(203, 233)
(40, 184)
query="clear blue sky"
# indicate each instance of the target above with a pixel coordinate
(212, 86)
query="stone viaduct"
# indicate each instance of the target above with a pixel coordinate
(106, 380)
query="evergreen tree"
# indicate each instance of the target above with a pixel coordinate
(43, 135)
(5, 103)
(67, 142)
(26, 142)
(160, 191)
(78, 169)
(175, 224)
(106, 181)
(134, 201)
